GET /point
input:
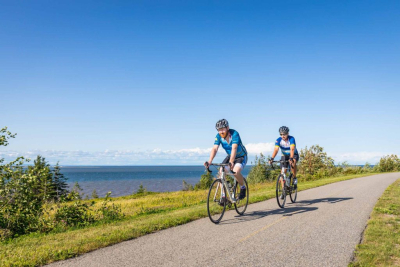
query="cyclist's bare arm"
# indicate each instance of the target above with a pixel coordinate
(276, 150)
(233, 153)
(292, 148)
(293, 164)
(214, 151)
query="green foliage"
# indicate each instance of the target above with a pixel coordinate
(24, 191)
(76, 192)
(261, 171)
(314, 163)
(94, 194)
(205, 181)
(60, 183)
(389, 163)
(44, 188)
(77, 214)
(5, 135)
(186, 186)
(109, 212)
(20, 207)
(141, 190)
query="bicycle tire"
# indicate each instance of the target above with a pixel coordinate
(214, 208)
(293, 194)
(280, 191)
(241, 205)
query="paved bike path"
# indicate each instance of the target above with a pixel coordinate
(321, 229)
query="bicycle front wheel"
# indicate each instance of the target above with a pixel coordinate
(293, 194)
(280, 192)
(216, 201)
(241, 204)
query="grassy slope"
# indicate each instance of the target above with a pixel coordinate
(381, 242)
(144, 215)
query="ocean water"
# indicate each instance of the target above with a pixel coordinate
(125, 180)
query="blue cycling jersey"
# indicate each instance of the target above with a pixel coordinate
(235, 139)
(285, 145)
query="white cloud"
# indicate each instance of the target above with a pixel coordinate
(359, 157)
(190, 156)
(115, 157)
(255, 149)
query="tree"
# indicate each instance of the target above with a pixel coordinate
(186, 186)
(94, 194)
(20, 208)
(260, 172)
(389, 163)
(60, 183)
(314, 162)
(205, 181)
(76, 192)
(4, 136)
(23, 191)
(45, 187)
(141, 190)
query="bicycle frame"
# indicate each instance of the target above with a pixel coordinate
(222, 177)
(289, 169)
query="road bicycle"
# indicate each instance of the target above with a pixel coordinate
(224, 191)
(284, 185)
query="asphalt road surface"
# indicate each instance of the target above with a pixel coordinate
(321, 229)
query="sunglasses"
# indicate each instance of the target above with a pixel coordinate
(283, 134)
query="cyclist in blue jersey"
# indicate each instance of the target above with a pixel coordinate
(237, 154)
(287, 144)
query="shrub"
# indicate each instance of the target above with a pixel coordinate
(94, 194)
(186, 186)
(205, 181)
(314, 163)
(77, 214)
(141, 190)
(260, 172)
(20, 207)
(389, 163)
(109, 212)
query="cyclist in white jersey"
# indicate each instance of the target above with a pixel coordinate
(287, 144)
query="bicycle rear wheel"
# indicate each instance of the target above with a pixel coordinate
(241, 204)
(280, 192)
(216, 201)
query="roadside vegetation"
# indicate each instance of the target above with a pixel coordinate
(381, 242)
(37, 210)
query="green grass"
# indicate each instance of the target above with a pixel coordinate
(144, 214)
(381, 241)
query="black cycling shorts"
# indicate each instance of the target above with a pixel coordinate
(240, 160)
(286, 157)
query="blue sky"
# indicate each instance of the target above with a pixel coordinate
(143, 82)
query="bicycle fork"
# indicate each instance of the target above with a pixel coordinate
(221, 187)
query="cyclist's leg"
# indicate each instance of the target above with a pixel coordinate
(285, 166)
(240, 163)
(294, 169)
(225, 161)
(296, 159)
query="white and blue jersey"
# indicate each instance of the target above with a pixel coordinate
(235, 139)
(285, 145)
